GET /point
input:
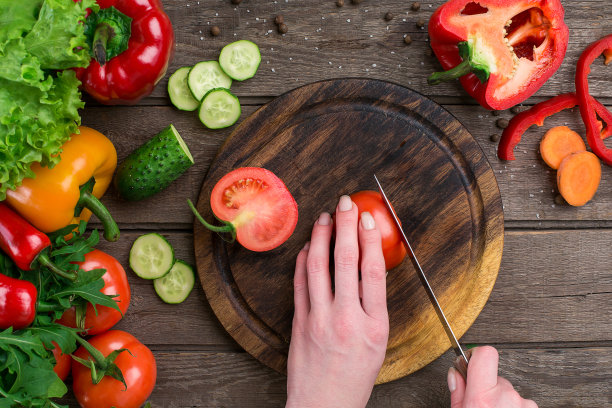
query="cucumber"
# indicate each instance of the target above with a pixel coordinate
(219, 109)
(153, 166)
(240, 59)
(176, 285)
(151, 256)
(179, 92)
(205, 76)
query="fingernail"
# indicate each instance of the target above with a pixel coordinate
(452, 380)
(307, 246)
(324, 219)
(367, 221)
(345, 203)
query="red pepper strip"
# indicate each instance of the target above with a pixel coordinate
(587, 110)
(536, 115)
(25, 244)
(608, 55)
(17, 303)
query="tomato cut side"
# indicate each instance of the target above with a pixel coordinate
(259, 206)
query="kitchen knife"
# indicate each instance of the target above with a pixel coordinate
(461, 362)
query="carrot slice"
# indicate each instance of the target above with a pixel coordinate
(558, 143)
(578, 177)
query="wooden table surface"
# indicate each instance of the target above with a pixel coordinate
(549, 313)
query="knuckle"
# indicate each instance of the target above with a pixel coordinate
(486, 353)
(374, 270)
(379, 333)
(300, 286)
(370, 237)
(346, 257)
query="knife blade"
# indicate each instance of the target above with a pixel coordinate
(463, 358)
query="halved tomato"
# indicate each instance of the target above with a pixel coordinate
(258, 206)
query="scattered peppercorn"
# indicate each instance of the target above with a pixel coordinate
(279, 19)
(388, 16)
(339, 3)
(502, 123)
(282, 28)
(416, 6)
(495, 137)
(236, 1)
(215, 31)
(408, 40)
(495, 112)
(559, 200)
(516, 109)
(420, 23)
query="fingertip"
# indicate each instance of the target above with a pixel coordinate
(367, 221)
(451, 379)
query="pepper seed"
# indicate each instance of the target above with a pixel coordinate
(283, 28)
(420, 23)
(408, 40)
(502, 123)
(279, 20)
(494, 137)
(388, 16)
(339, 3)
(215, 31)
(416, 6)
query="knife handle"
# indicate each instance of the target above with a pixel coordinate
(461, 365)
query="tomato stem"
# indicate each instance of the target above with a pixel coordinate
(227, 228)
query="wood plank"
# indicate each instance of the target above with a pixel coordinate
(553, 286)
(527, 185)
(325, 42)
(552, 377)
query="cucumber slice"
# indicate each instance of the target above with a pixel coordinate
(176, 285)
(240, 59)
(219, 109)
(205, 76)
(179, 92)
(151, 256)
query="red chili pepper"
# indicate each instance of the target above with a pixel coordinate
(503, 51)
(536, 115)
(25, 244)
(17, 303)
(132, 43)
(587, 111)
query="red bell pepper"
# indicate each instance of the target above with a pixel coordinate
(503, 51)
(587, 110)
(132, 43)
(536, 115)
(17, 303)
(25, 244)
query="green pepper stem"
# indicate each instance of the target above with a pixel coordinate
(45, 307)
(91, 202)
(44, 260)
(454, 73)
(228, 227)
(101, 36)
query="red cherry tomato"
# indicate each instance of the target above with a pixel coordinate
(62, 362)
(138, 368)
(393, 248)
(115, 283)
(258, 205)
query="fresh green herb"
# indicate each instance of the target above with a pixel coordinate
(38, 106)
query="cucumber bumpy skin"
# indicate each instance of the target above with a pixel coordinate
(153, 166)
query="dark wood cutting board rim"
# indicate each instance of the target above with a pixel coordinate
(274, 347)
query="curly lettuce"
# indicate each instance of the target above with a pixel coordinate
(38, 104)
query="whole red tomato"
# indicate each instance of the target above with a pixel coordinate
(393, 248)
(62, 362)
(115, 283)
(138, 368)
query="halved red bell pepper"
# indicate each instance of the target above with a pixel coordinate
(503, 51)
(132, 43)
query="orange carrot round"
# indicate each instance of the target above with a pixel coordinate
(578, 177)
(558, 143)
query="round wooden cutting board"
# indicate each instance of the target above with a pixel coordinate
(327, 139)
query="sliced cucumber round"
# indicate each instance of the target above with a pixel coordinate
(240, 59)
(205, 76)
(176, 285)
(179, 92)
(151, 256)
(219, 109)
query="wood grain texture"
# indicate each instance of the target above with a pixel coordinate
(435, 174)
(554, 378)
(553, 286)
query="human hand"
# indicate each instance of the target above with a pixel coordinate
(338, 342)
(484, 388)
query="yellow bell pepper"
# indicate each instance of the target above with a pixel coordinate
(69, 192)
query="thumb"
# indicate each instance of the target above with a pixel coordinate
(456, 386)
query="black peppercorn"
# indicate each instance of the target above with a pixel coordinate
(502, 123)
(279, 20)
(236, 1)
(355, 1)
(494, 137)
(420, 23)
(339, 3)
(559, 200)
(416, 6)
(495, 112)
(516, 109)
(388, 16)
(283, 28)
(408, 40)
(215, 31)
